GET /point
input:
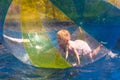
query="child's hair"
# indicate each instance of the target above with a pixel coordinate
(63, 34)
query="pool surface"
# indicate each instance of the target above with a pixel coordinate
(99, 18)
(106, 68)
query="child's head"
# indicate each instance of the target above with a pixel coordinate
(63, 36)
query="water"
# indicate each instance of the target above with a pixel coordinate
(106, 68)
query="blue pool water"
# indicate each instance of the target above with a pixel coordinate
(106, 68)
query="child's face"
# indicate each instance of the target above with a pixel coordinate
(60, 41)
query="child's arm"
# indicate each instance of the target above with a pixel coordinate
(77, 57)
(66, 54)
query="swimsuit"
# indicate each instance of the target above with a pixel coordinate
(80, 46)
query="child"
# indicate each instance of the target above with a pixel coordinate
(77, 47)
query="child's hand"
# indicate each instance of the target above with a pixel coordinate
(75, 64)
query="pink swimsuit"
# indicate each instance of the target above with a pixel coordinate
(80, 46)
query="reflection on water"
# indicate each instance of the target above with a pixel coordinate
(106, 68)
